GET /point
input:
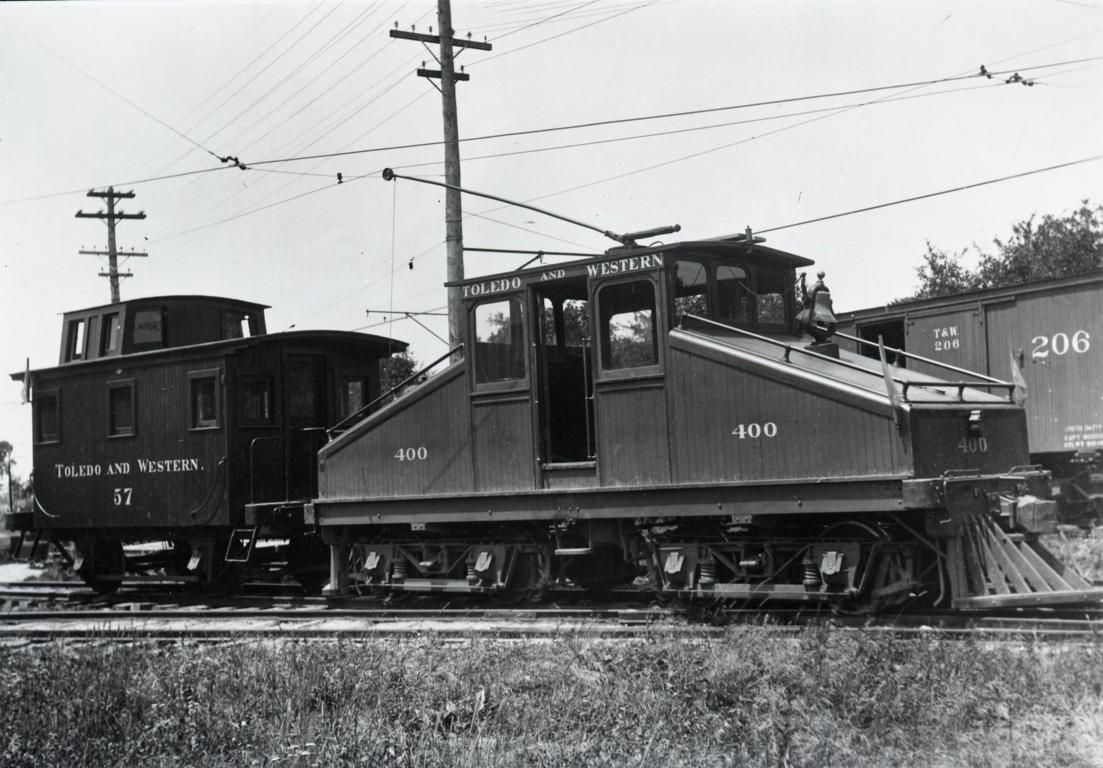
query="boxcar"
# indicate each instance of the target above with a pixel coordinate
(679, 415)
(179, 419)
(1053, 332)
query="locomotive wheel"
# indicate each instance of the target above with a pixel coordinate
(101, 558)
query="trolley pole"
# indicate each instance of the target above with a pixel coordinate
(453, 208)
(112, 254)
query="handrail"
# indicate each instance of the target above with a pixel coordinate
(904, 383)
(363, 410)
(920, 358)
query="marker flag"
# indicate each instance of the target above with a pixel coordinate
(1020, 392)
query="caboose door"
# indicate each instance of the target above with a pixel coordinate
(304, 422)
(564, 383)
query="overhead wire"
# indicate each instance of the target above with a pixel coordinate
(928, 195)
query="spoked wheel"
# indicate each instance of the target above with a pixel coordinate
(100, 560)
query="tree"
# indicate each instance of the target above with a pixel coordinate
(396, 369)
(1053, 247)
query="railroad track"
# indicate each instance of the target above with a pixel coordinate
(74, 612)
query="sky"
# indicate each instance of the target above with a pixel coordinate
(124, 93)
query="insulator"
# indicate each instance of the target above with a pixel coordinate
(707, 572)
(811, 573)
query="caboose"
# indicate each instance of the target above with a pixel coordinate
(680, 416)
(1050, 330)
(181, 420)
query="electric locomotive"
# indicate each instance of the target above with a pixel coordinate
(680, 415)
(180, 420)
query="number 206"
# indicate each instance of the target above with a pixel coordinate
(1060, 344)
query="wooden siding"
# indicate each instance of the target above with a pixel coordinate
(817, 435)
(361, 463)
(1064, 409)
(633, 446)
(501, 431)
(952, 337)
(169, 468)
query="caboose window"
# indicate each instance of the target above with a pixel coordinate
(256, 400)
(499, 342)
(627, 312)
(691, 289)
(203, 386)
(47, 417)
(237, 325)
(120, 408)
(354, 395)
(148, 328)
(76, 340)
(731, 294)
(111, 329)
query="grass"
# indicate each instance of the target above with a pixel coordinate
(1082, 549)
(755, 698)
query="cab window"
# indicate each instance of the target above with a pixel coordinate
(627, 325)
(691, 284)
(732, 295)
(499, 342)
(770, 300)
(47, 417)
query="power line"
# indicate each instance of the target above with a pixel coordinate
(962, 188)
(667, 115)
(115, 93)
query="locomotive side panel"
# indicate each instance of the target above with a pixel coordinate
(1057, 337)
(405, 450)
(132, 451)
(501, 431)
(986, 440)
(730, 422)
(633, 446)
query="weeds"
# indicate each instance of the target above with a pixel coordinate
(753, 699)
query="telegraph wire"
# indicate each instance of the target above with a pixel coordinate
(928, 195)
(115, 93)
(256, 164)
(710, 126)
(666, 115)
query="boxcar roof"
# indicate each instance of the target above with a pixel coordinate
(984, 294)
(728, 245)
(378, 344)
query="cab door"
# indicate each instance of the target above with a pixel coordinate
(563, 389)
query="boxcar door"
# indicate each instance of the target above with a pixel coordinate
(564, 383)
(304, 422)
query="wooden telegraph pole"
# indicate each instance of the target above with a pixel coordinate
(453, 208)
(111, 216)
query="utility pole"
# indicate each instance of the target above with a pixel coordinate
(453, 208)
(111, 216)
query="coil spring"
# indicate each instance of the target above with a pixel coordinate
(399, 573)
(811, 573)
(708, 572)
(471, 576)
